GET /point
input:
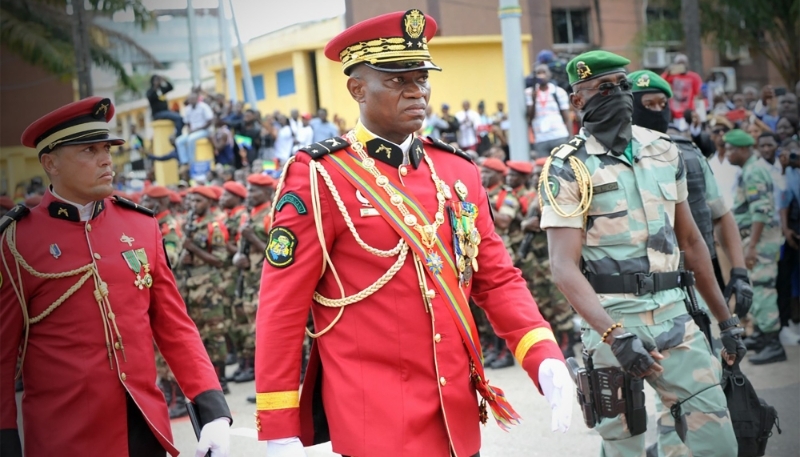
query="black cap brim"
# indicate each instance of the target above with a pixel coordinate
(403, 66)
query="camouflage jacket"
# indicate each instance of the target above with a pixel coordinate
(754, 200)
(210, 235)
(260, 222)
(628, 228)
(503, 201)
(171, 233)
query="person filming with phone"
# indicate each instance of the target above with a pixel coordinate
(686, 86)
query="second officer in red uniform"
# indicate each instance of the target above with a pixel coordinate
(385, 236)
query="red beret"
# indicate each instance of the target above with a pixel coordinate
(205, 191)
(81, 122)
(235, 188)
(495, 164)
(540, 161)
(217, 191)
(157, 192)
(6, 202)
(261, 180)
(135, 197)
(520, 166)
(174, 197)
(375, 42)
(33, 200)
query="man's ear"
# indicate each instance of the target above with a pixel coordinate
(356, 87)
(50, 163)
(576, 101)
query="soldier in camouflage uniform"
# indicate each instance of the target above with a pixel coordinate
(203, 256)
(616, 217)
(754, 211)
(157, 200)
(507, 219)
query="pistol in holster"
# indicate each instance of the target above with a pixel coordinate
(609, 392)
(698, 314)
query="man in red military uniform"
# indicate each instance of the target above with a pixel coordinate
(385, 236)
(85, 289)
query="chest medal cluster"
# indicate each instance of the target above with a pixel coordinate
(466, 237)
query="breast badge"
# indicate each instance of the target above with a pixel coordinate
(281, 247)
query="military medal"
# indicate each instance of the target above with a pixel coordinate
(55, 251)
(461, 190)
(137, 262)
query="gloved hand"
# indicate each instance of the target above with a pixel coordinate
(633, 357)
(285, 447)
(739, 287)
(215, 437)
(732, 342)
(559, 391)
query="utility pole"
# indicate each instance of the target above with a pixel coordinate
(227, 55)
(510, 14)
(690, 17)
(83, 58)
(192, 43)
(249, 89)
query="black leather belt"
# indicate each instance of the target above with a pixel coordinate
(636, 284)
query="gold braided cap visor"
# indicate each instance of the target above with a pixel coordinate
(85, 133)
(387, 54)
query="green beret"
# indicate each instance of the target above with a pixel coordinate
(647, 81)
(592, 64)
(738, 137)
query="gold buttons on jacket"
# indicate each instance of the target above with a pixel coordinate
(430, 293)
(117, 346)
(123, 376)
(442, 380)
(97, 256)
(403, 170)
(88, 227)
(437, 337)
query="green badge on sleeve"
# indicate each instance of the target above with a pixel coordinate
(280, 247)
(554, 186)
(291, 198)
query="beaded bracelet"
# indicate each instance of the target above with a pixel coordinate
(610, 329)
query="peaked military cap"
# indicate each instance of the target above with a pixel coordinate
(647, 81)
(394, 43)
(81, 122)
(593, 64)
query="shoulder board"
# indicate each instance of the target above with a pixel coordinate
(124, 202)
(317, 150)
(14, 214)
(567, 149)
(436, 142)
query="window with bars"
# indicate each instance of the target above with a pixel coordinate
(571, 26)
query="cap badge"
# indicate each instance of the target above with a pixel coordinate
(643, 81)
(583, 70)
(101, 108)
(414, 23)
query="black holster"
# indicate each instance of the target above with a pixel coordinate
(609, 392)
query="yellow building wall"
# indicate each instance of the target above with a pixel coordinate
(268, 69)
(18, 164)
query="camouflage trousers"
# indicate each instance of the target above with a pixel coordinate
(552, 304)
(243, 330)
(689, 368)
(763, 275)
(205, 302)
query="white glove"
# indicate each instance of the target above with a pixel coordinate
(215, 437)
(558, 390)
(285, 447)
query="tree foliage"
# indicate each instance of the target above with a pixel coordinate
(40, 32)
(771, 28)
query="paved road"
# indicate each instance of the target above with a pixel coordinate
(778, 384)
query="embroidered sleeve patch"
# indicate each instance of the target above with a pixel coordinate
(291, 198)
(281, 247)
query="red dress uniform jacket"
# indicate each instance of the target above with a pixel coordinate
(75, 393)
(395, 378)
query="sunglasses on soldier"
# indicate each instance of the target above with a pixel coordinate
(607, 88)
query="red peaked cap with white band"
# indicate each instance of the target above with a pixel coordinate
(394, 43)
(81, 122)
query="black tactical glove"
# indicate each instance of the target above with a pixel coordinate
(740, 286)
(731, 338)
(633, 357)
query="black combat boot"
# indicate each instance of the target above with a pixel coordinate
(755, 342)
(247, 373)
(237, 372)
(178, 406)
(251, 399)
(504, 357)
(219, 368)
(772, 351)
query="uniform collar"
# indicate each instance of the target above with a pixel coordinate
(61, 208)
(259, 208)
(163, 215)
(236, 210)
(409, 151)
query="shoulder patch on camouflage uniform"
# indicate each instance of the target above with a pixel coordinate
(567, 149)
(281, 247)
(439, 144)
(317, 150)
(14, 214)
(291, 198)
(125, 203)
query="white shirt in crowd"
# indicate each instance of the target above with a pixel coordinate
(727, 176)
(304, 136)
(468, 122)
(548, 124)
(198, 116)
(284, 141)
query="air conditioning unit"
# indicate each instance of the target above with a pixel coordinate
(654, 57)
(742, 53)
(726, 74)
